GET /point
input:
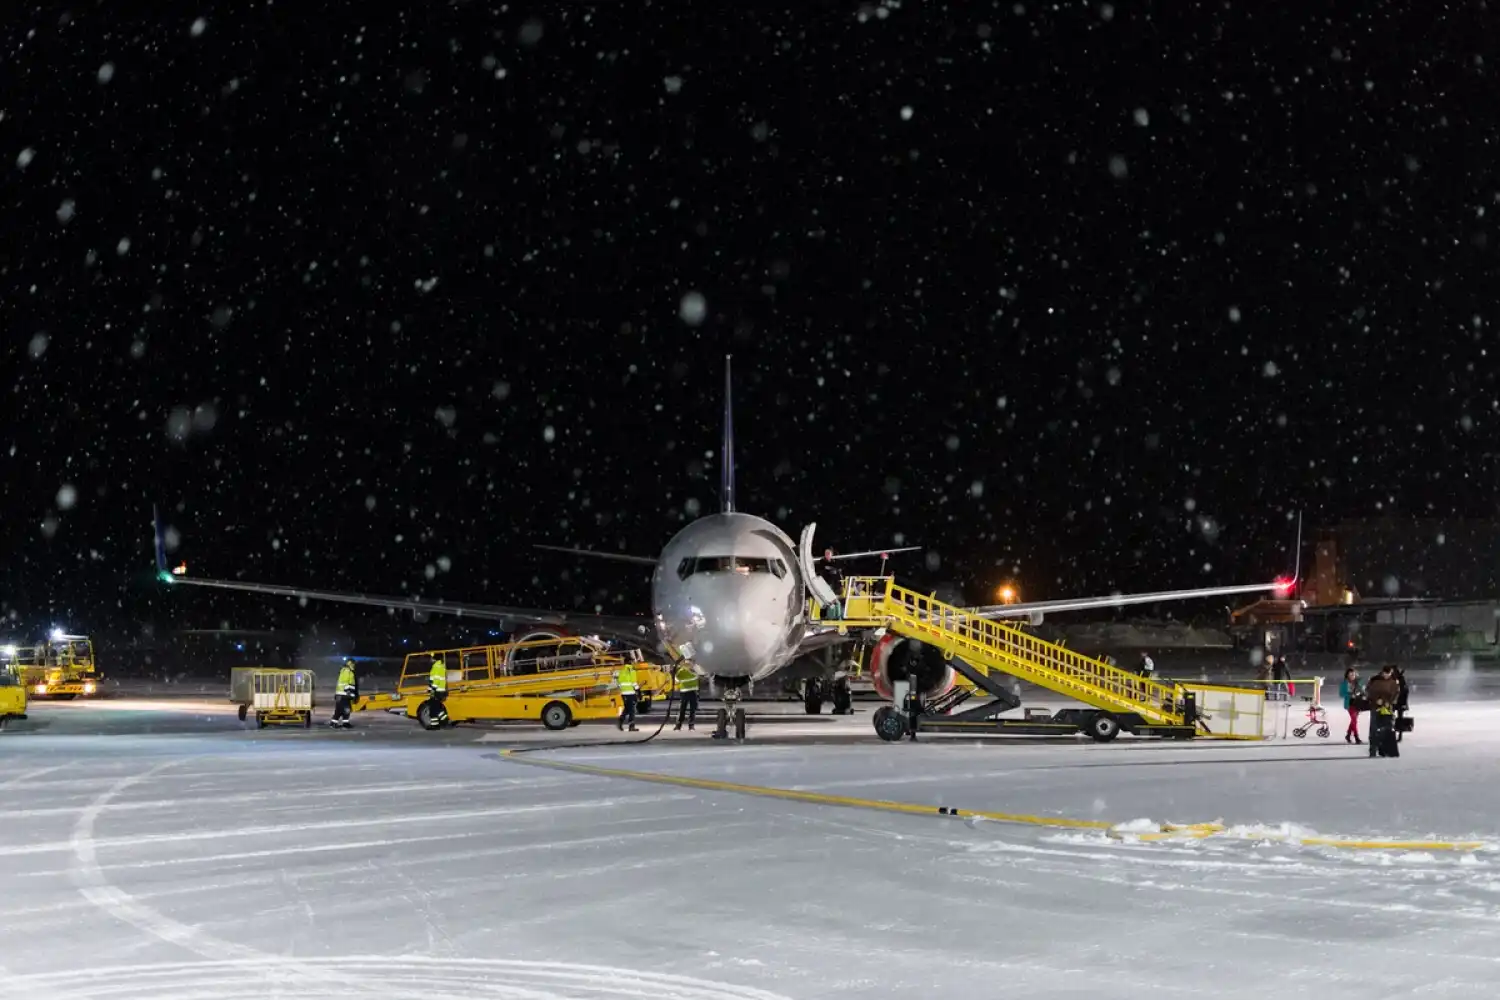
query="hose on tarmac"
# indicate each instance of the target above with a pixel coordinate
(638, 741)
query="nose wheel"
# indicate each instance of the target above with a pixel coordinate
(731, 714)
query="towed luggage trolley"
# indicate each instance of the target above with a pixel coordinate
(282, 697)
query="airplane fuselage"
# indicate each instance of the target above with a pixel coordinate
(728, 597)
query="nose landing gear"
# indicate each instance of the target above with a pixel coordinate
(732, 712)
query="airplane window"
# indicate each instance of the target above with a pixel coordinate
(743, 565)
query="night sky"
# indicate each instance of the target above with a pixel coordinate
(1081, 295)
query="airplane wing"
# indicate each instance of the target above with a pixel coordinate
(1036, 609)
(636, 630)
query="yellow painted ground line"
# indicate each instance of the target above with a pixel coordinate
(1167, 832)
(790, 794)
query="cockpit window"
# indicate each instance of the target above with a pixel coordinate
(743, 565)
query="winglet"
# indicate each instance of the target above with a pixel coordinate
(726, 486)
(161, 547)
(1297, 568)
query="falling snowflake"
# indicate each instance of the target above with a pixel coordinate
(694, 308)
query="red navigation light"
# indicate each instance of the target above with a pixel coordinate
(1284, 586)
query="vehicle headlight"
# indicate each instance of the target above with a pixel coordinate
(41, 689)
(88, 688)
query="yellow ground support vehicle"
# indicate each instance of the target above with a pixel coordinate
(557, 681)
(12, 695)
(281, 697)
(62, 667)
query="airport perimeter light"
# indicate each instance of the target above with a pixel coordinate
(1007, 594)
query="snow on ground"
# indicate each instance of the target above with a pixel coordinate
(208, 861)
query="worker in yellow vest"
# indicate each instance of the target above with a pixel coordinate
(437, 692)
(345, 690)
(630, 689)
(687, 689)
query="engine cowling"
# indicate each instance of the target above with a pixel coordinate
(895, 658)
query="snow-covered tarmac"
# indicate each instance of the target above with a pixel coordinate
(161, 850)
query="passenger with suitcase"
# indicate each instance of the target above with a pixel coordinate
(1384, 692)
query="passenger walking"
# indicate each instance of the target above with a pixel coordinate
(1353, 695)
(345, 690)
(1402, 700)
(629, 691)
(687, 689)
(1383, 693)
(1282, 673)
(437, 693)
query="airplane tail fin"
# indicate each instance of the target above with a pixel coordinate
(726, 485)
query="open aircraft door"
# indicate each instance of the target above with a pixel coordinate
(816, 585)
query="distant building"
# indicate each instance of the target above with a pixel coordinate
(1390, 588)
(1392, 559)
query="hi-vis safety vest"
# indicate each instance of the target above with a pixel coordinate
(346, 680)
(437, 678)
(627, 680)
(687, 680)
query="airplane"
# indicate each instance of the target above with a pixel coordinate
(728, 597)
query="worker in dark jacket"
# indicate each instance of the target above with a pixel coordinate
(1401, 700)
(1383, 693)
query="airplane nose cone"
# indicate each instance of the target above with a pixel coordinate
(734, 629)
(731, 645)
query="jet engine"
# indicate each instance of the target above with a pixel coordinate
(895, 658)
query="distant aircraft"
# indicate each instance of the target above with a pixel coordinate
(728, 596)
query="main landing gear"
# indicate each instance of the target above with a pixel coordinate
(816, 690)
(732, 711)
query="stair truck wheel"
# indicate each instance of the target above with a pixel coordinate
(556, 716)
(889, 724)
(424, 716)
(244, 711)
(1103, 727)
(643, 704)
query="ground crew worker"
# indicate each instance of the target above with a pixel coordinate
(437, 692)
(1383, 692)
(687, 687)
(629, 691)
(344, 693)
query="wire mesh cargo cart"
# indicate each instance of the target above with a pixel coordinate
(281, 697)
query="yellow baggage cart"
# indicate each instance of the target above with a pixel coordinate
(281, 697)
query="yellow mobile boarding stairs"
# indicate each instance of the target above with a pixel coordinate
(981, 649)
(557, 681)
